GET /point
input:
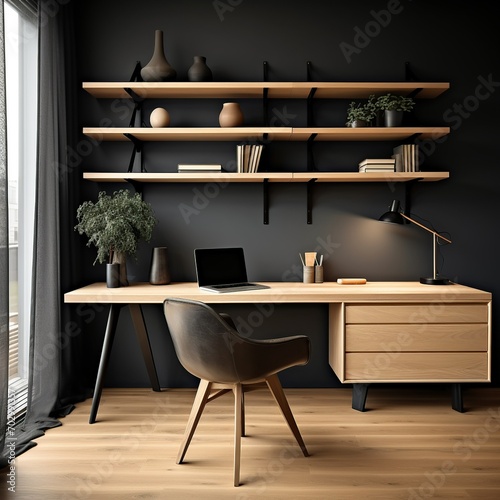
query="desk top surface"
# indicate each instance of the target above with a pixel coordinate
(280, 292)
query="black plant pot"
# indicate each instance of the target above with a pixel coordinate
(393, 118)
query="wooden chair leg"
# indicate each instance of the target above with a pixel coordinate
(199, 404)
(242, 413)
(238, 404)
(274, 385)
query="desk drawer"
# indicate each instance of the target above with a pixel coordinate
(424, 337)
(425, 313)
(417, 367)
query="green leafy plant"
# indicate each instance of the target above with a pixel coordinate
(361, 111)
(391, 102)
(115, 224)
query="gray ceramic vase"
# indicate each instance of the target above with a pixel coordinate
(199, 71)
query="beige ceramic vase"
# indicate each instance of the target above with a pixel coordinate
(231, 115)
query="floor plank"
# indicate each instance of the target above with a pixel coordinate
(409, 445)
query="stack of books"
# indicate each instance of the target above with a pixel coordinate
(198, 167)
(248, 157)
(407, 158)
(377, 165)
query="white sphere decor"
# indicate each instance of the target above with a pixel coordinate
(159, 118)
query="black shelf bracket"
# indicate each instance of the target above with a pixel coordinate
(409, 74)
(265, 94)
(138, 101)
(136, 74)
(407, 201)
(311, 167)
(265, 194)
(308, 71)
(310, 108)
(138, 144)
(310, 184)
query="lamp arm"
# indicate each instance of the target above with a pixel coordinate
(425, 227)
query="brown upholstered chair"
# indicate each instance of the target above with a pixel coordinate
(209, 346)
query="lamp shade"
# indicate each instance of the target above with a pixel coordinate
(393, 216)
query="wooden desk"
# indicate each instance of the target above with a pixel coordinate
(378, 332)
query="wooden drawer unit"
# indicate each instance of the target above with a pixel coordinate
(416, 342)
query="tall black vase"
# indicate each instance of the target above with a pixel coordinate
(159, 273)
(158, 68)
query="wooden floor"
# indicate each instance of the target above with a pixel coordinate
(409, 445)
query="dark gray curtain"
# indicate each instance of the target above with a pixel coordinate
(55, 340)
(4, 257)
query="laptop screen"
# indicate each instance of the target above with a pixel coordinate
(217, 266)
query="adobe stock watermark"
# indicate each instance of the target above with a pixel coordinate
(129, 443)
(421, 320)
(273, 469)
(458, 113)
(464, 448)
(363, 36)
(202, 197)
(223, 7)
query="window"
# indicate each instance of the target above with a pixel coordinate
(21, 99)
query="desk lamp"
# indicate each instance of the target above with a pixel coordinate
(396, 216)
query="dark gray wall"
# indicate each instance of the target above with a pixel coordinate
(443, 41)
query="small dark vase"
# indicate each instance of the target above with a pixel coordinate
(393, 118)
(199, 71)
(359, 123)
(113, 275)
(159, 273)
(158, 68)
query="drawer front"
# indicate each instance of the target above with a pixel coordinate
(417, 367)
(424, 337)
(425, 313)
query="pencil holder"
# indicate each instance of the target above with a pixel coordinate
(318, 274)
(308, 274)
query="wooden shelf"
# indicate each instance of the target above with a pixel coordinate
(190, 133)
(253, 90)
(267, 133)
(271, 176)
(367, 133)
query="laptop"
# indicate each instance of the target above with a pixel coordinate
(222, 270)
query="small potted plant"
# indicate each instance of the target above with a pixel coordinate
(114, 225)
(361, 115)
(394, 106)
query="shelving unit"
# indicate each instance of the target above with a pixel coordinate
(139, 91)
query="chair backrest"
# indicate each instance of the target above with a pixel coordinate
(203, 341)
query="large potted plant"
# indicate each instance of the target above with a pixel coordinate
(114, 225)
(361, 114)
(394, 106)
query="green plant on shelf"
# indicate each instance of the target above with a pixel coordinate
(391, 102)
(361, 114)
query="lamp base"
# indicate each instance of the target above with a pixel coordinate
(435, 281)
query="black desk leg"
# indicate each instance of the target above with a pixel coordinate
(456, 398)
(114, 312)
(143, 338)
(359, 393)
